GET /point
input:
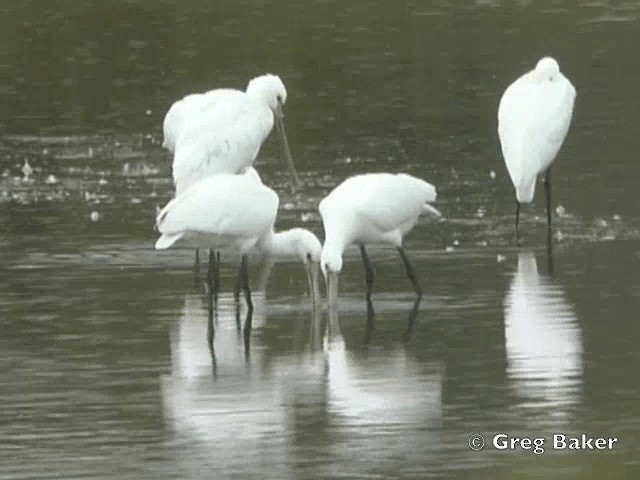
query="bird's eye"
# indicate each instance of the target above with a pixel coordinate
(279, 98)
(309, 256)
(550, 79)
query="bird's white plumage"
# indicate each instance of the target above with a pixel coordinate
(237, 213)
(375, 208)
(218, 212)
(534, 115)
(224, 140)
(180, 113)
(226, 136)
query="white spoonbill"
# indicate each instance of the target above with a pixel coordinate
(371, 208)
(236, 213)
(227, 136)
(533, 119)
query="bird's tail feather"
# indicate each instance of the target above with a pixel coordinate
(168, 239)
(434, 212)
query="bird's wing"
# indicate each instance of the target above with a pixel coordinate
(182, 110)
(230, 205)
(550, 120)
(385, 200)
(223, 139)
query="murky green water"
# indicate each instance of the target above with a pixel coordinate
(105, 370)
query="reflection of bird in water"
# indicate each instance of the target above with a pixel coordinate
(191, 355)
(376, 401)
(543, 339)
(295, 412)
(222, 417)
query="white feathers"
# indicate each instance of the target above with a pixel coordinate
(218, 212)
(533, 119)
(376, 207)
(184, 109)
(372, 208)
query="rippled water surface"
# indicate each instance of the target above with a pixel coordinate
(105, 368)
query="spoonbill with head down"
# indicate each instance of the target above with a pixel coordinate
(237, 213)
(533, 119)
(371, 208)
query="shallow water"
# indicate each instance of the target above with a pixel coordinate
(105, 370)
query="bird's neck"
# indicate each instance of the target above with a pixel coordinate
(336, 244)
(279, 244)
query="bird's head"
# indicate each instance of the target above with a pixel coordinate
(307, 247)
(330, 261)
(547, 69)
(306, 244)
(270, 89)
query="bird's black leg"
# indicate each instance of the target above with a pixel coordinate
(238, 286)
(549, 254)
(211, 272)
(371, 319)
(248, 324)
(244, 272)
(210, 327)
(196, 264)
(211, 307)
(216, 279)
(412, 318)
(368, 271)
(547, 192)
(411, 272)
(517, 222)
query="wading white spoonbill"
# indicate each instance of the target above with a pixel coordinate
(533, 119)
(371, 208)
(227, 136)
(236, 213)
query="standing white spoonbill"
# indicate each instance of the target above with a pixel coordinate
(533, 119)
(227, 137)
(236, 213)
(371, 208)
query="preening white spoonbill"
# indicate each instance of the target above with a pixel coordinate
(227, 136)
(367, 209)
(236, 213)
(534, 115)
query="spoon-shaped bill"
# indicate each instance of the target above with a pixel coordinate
(312, 268)
(332, 299)
(288, 159)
